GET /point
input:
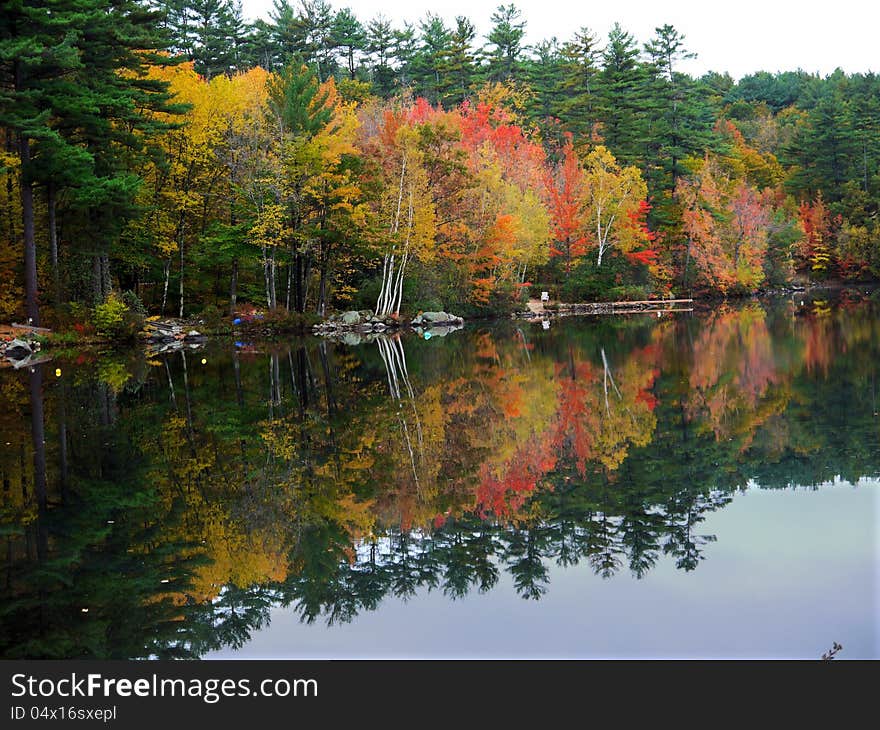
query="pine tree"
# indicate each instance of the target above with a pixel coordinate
(623, 87)
(578, 105)
(213, 48)
(428, 62)
(37, 46)
(349, 36)
(505, 51)
(544, 75)
(458, 64)
(680, 119)
(380, 47)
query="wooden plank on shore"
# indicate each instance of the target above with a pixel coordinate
(30, 327)
(648, 301)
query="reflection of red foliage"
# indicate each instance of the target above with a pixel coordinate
(504, 496)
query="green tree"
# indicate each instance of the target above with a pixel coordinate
(459, 67)
(350, 37)
(578, 106)
(504, 53)
(623, 91)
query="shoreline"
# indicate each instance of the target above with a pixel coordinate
(193, 334)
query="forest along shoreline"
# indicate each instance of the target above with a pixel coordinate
(23, 345)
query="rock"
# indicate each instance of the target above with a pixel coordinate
(379, 327)
(352, 338)
(193, 333)
(440, 331)
(18, 350)
(350, 318)
(438, 318)
(430, 318)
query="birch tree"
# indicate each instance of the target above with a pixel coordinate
(613, 194)
(408, 212)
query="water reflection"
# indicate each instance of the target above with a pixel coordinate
(162, 507)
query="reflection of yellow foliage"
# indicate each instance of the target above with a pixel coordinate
(113, 373)
(734, 372)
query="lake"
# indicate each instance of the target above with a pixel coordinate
(698, 484)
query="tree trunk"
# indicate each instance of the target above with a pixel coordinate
(30, 244)
(37, 435)
(322, 290)
(181, 279)
(165, 287)
(100, 277)
(106, 279)
(96, 279)
(233, 287)
(53, 241)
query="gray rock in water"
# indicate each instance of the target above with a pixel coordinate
(350, 318)
(352, 338)
(440, 330)
(437, 318)
(18, 350)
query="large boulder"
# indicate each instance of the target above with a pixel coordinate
(433, 318)
(350, 318)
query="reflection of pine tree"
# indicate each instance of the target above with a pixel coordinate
(403, 570)
(524, 559)
(234, 615)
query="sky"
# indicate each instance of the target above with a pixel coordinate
(740, 38)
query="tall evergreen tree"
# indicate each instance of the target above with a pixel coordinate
(350, 37)
(680, 119)
(458, 64)
(213, 46)
(544, 75)
(380, 47)
(578, 104)
(623, 88)
(37, 46)
(504, 53)
(428, 64)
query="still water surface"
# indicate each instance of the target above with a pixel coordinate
(691, 485)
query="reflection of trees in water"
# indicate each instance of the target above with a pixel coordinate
(178, 508)
(394, 359)
(468, 553)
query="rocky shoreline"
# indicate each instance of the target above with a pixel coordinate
(169, 335)
(366, 322)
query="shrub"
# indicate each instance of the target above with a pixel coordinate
(628, 293)
(134, 303)
(211, 317)
(113, 319)
(281, 321)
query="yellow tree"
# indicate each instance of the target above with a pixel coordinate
(335, 210)
(407, 209)
(613, 195)
(191, 182)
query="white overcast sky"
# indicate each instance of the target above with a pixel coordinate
(739, 37)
